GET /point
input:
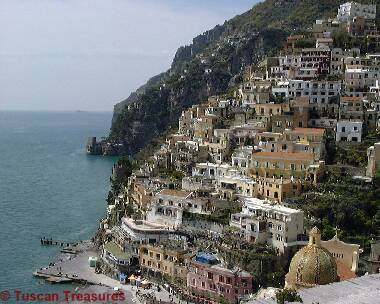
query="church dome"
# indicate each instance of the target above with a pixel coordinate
(312, 265)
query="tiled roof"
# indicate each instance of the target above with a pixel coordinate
(364, 289)
(344, 273)
(288, 155)
(178, 193)
(351, 98)
(315, 131)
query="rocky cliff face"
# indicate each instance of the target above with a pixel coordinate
(209, 66)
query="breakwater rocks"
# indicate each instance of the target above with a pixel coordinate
(104, 147)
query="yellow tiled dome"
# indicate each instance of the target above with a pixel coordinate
(312, 265)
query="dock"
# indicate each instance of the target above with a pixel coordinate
(51, 278)
(62, 243)
(75, 268)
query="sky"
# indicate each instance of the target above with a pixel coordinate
(65, 55)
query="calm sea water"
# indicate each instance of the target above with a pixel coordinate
(48, 187)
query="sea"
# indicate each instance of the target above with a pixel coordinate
(48, 187)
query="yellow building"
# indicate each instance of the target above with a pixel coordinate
(277, 189)
(141, 195)
(164, 260)
(286, 165)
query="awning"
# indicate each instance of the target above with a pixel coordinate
(132, 278)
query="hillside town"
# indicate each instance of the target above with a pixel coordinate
(211, 211)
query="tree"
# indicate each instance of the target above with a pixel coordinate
(129, 210)
(288, 295)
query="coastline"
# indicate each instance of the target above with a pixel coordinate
(86, 282)
(74, 269)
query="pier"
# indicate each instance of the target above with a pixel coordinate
(62, 243)
(73, 266)
(51, 278)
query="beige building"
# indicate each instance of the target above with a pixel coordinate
(346, 256)
(373, 154)
(141, 195)
(351, 108)
(298, 140)
(186, 121)
(229, 186)
(255, 92)
(204, 127)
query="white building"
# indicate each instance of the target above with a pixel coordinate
(281, 89)
(255, 92)
(211, 170)
(168, 206)
(241, 158)
(144, 231)
(324, 122)
(350, 131)
(272, 224)
(319, 92)
(350, 10)
(358, 80)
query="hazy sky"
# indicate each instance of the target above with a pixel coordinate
(90, 54)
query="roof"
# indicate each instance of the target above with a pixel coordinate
(344, 273)
(352, 98)
(292, 37)
(325, 39)
(316, 131)
(252, 202)
(283, 155)
(363, 289)
(178, 193)
(115, 250)
(312, 265)
(206, 258)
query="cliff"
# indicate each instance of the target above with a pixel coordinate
(211, 65)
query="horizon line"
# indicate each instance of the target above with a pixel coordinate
(57, 111)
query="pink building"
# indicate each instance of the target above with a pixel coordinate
(208, 278)
(314, 62)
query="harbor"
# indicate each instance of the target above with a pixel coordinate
(73, 267)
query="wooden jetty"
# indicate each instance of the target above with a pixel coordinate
(57, 279)
(52, 278)
(69, 250)
(62, 243)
